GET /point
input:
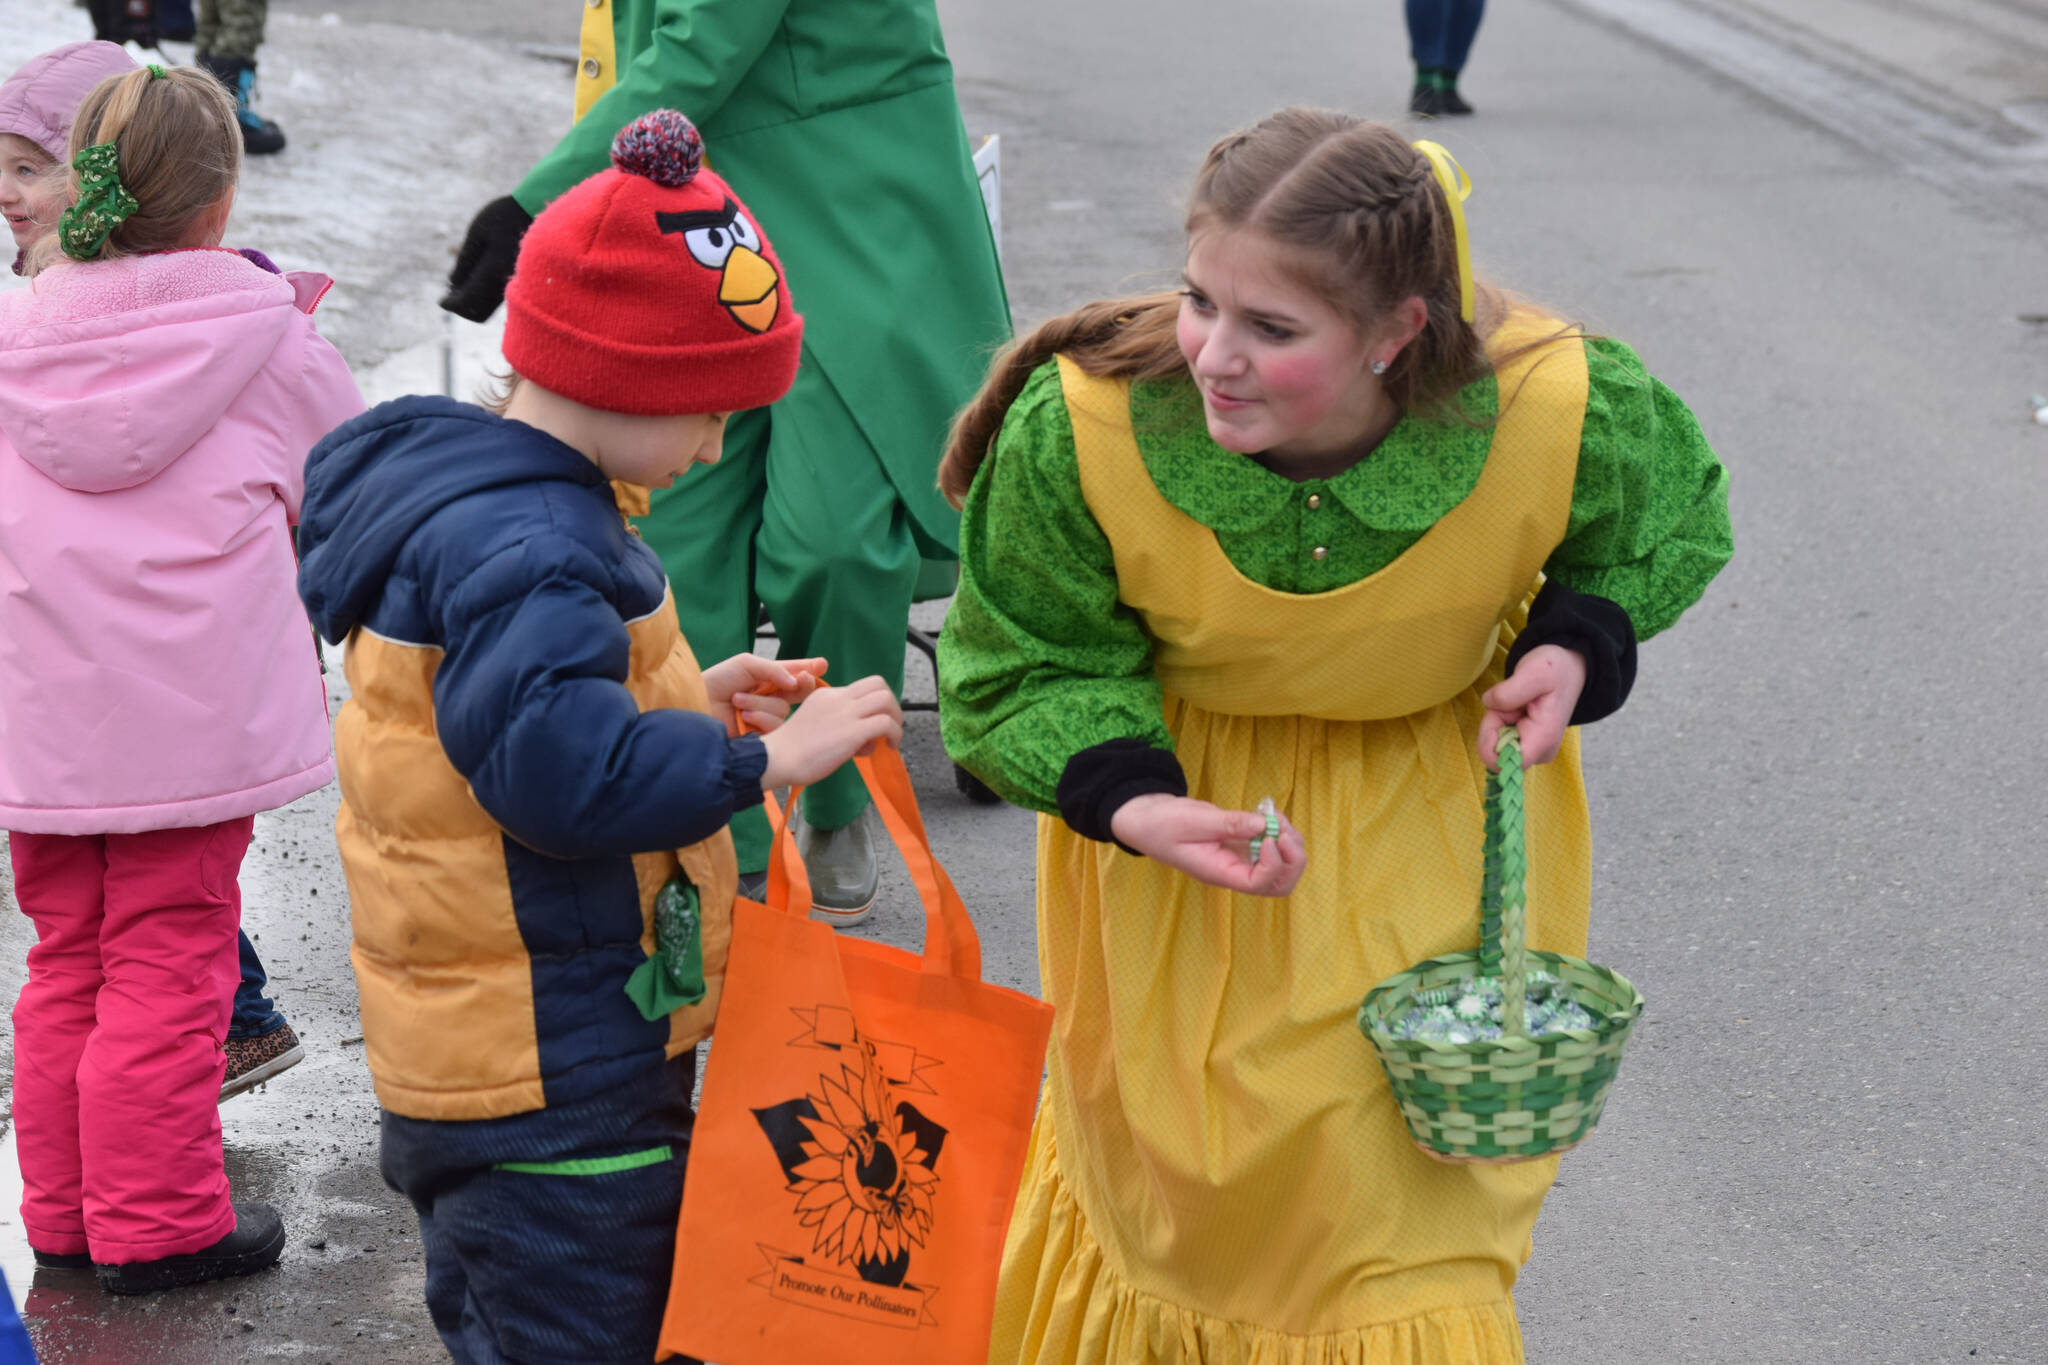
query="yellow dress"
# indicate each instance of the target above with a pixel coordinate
(1218, 1173)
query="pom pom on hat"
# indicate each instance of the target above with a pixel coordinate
(661, 145)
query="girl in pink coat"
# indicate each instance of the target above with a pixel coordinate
(36, 105)
(158, 687)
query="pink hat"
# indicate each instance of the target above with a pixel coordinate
(39, 101)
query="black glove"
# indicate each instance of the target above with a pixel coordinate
(476, 286)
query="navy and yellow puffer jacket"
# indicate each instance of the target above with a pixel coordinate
(524, 761)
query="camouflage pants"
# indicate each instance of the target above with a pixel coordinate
(231, 29)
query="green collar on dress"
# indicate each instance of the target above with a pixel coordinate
(1419, 472)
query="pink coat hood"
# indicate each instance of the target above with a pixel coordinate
(156, 667)
(40, 99)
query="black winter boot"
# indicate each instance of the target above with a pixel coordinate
(260, 137)
(255, 1244)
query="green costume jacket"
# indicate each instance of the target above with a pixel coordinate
(836, 121)
(1040, 658)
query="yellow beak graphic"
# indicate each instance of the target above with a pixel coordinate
(748, 289)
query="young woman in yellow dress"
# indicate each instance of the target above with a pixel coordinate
(1314, 529)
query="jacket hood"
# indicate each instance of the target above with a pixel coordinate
(373, 481)
(111, 370)
(39, 100)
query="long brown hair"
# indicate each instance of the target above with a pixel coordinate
(180, 152)
(1365, 224)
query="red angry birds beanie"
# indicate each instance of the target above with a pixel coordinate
(648, 289)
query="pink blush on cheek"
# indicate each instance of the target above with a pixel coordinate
(1305, 385)
(1187, 332)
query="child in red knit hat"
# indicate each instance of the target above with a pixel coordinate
(531, 759)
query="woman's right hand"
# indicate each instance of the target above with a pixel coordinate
(1211, 844)
(834, 725)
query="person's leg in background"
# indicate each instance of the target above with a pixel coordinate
(1440, 34)
(260, 1043)
(836, 565)
(1458, 35)
(228, 34)
(1428, 21)
(157, 1208)
(121, 21)
(175, 22)
(58, 882)
(704, 529)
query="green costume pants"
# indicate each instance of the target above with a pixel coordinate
(798, 516)
(231, 29)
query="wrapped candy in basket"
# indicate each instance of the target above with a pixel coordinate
(1503, 1054)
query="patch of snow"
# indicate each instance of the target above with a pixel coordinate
(396, 136)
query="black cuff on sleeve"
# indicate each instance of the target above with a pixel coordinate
(1595, 629)
(746, 758)
(1098, 780)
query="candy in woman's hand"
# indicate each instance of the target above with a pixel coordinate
(1272, 814)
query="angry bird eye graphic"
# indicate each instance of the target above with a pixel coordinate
(724, 240)
(713, 246)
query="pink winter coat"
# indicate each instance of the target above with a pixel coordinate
(156, 667)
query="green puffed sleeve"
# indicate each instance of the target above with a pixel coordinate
(1039, 659)
(1649, 521)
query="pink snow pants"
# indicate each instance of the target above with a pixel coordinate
(118, 1035)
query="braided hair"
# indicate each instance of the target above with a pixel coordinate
(1361, 221)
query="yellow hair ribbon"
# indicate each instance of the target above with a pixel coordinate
(1457, 187)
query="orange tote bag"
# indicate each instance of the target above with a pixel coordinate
(861, 1134)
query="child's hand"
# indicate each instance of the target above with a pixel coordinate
(759, 691)
(1211, 844)
(835, 725)
(1538, 700)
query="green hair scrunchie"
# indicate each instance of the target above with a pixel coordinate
(104, 203)
(156, 72)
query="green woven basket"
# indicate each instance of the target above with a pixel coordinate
(1520, 1097)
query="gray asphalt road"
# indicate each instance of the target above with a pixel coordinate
(539, 22)
(1817, 824)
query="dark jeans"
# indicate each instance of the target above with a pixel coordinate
(1440, 32)
(532, 1267)
(112, 23)
(254, 1014)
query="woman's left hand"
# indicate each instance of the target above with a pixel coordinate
(1538, 700)
(759, 690)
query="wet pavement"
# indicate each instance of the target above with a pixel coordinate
(1817, 822)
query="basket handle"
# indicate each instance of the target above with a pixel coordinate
(1503, 894)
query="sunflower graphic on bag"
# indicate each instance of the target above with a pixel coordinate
(862, 1130)
(862, 1166)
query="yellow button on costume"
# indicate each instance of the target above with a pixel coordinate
(1218, 1173)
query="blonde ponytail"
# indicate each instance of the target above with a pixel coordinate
(179, 151)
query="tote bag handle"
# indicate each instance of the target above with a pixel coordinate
(951, 945)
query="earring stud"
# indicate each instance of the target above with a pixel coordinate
(1379, 367)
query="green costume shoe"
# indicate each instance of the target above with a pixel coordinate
(841, 864)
